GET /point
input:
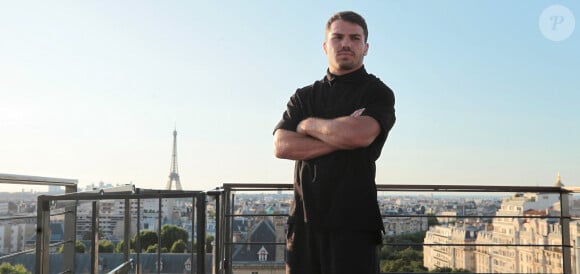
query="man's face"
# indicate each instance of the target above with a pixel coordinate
(345, 47)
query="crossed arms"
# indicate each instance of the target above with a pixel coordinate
(315, 137)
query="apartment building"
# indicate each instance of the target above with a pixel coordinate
(450, 246)
(12, 237)
(525, 237)
(399, 225)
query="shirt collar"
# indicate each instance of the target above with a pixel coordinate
(354, 76)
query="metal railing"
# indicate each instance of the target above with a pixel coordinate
(70, 186)
(226, 241)
(44, 210)
(226, 263)
(123, 268)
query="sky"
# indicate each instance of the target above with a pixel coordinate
(92, 90)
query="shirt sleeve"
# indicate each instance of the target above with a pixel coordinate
(382, 108)
(293, 114)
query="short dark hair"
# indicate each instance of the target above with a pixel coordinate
(349, 16)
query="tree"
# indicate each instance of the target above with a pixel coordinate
(412, 238)
(106, 246)
(432, 220)
(208, 243)
(120, 247)
(396, 257)
(147, 238)
(407, 260)
(449, 270)
(211, 214)
(87, 235)
(410, 255)
(80, 247)
(400, 265)
(153, 249)
(179, 247)
(387, 252)
(6, 268)
(171, 234)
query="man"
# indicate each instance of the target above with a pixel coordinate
(335, 129)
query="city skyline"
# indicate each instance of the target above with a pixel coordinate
(93, 91)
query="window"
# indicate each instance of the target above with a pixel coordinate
(262, 254)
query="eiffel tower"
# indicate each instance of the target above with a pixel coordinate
(173, 173)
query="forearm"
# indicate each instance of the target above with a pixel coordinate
(345, 132)
(295, 146)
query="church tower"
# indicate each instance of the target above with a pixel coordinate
(559, 181)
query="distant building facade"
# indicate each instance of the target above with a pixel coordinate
(525, 237)
(449, 246)
(260, 240)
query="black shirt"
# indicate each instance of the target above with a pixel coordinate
(338, 190)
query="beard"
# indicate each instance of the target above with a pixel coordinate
(347, 64)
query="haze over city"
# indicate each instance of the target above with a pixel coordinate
(93, 90)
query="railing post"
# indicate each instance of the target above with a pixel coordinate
(224, 231)
(95, 238)
(201, 224)
(42, 235)
(70, 219)
(70, 189)
(565, 222)
(191, 249)
(228, 237)
(218, 238)
(228, 263)
(70, 232)
(127, 230)
(159, 216)
(138, 236)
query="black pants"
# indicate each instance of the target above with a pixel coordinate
(314, 251)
